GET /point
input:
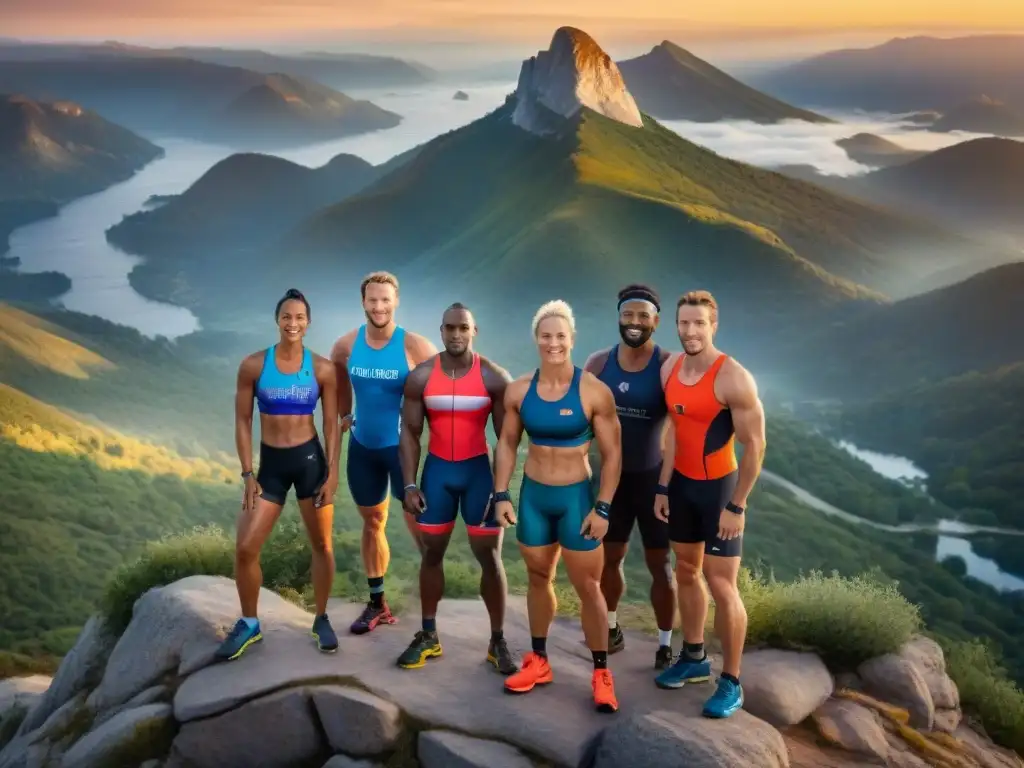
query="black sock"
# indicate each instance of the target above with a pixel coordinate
(430, 625)
(540, 645)
(600, 659)
(727, 676)
(694, 651)
(496, 635)
(376, 591)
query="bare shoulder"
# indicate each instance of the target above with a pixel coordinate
(664, 355)
(252, 365)
(416, 381)
(667, 365)
(596, 390)
(596, 362)
(517, 389)
(737, 382)
(343, 346)
(418, 347)
(492, 369)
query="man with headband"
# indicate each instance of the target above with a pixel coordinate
(631, 369)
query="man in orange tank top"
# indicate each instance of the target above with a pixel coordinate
(713, 402)
(455, 391)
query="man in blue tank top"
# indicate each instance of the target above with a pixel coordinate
(632, 371)
(372, 363)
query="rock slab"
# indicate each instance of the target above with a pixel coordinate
(784, 687)
(357, 723)
(445, 749)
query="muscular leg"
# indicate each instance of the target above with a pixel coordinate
(320, 526)
(253, 529)
(663, 590)
(493, 585)
(540, 596)
(374, 545)
(613, 580)
(414, 531)
(693, 596)
(584, 570)
(432, 572)
(730, 613)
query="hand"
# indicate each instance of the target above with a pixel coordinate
(346, 423)
(504, 513)
(594, 527)
(661, 507)
(326, 493)
(251, 492)
(415, 503)
(730, 525)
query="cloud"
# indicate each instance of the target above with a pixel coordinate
(803, 143)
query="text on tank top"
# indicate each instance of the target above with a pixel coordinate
(702, 426)
(457, 411)
(640, 403)
(378, 382)
(287, 394)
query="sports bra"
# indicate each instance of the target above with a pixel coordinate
(287, 394)
(561, 423)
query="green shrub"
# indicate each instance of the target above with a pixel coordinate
(844, 620)
(985, 690)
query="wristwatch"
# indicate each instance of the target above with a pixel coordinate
(247, 473)
(502, 496)
(603, 509)
(734, 508)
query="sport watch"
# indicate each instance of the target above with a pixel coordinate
(734, 508)
(502, 496)
(603, 509)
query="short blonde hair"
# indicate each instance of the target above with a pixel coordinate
(556, 308)
(381, 278)
(699, 299)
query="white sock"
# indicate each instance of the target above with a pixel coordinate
(665, 637)
(613, 620)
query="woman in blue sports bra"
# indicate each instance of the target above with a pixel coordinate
(286, 381)
(561, 408)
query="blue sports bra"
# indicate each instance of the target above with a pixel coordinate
(287, 394)
(562, 423)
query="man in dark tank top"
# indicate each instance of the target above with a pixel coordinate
(632, 370)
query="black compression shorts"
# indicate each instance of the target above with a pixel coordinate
(302, 466)
(634, 503)
(694, 508)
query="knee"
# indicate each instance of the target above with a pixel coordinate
(687, 573)
(724, 590)
(488, 557)
(541, 578)
(375, 520)
(322, 546)
(660, 566)
(247, 551)
(589, 589)
(433, 556)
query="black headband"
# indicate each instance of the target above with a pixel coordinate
(641, 295)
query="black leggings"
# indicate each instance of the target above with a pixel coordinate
(303, 466)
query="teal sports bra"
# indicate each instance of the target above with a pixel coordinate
(560, 424)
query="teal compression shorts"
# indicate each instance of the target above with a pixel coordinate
(554, 513)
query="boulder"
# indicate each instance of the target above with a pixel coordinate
(784, 687)
(444, 749)
(356, 722)
(857, 729)
(897, 680)
(129, 738)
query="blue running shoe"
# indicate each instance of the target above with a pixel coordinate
(684, 671)
(238, 640)
(725, 700)
(326, 640)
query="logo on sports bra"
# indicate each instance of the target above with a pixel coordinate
(565, 412)
(284, 393)
(680, 409)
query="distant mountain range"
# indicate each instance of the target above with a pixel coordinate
(173, 96)
(982, 115)
(905, 74)
(868, 149)
(670, 83)
(338, 70)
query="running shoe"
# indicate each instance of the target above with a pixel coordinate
(726, 699)
(326, 639)
(684, 671)
(499, 655)
(536, 671)
(238, 640)
(616, 640)
(663, 657)
(604, 691)
(425, 645)
(371, 617)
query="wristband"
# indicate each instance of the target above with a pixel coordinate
(603, 509)
(501, 496)
(734, 508)
(410, 487)
(247, 473)
(662, 490)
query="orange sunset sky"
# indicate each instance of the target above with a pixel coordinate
(242, 19)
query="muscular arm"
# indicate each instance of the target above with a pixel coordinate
(668, 453)
(327, 378)
(741, 397)
(245, 392)
(511, 434)
(597, 361)
(418, 348)
(496, 379)
(608, 435)
(413, 415)
(343, 385)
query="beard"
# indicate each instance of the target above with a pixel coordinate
(699, 347)
(371, 321)
(635, 341)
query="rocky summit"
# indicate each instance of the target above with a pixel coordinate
(153, 697)
(573, 73)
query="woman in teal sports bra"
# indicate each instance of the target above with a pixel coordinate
(286, 381)
(561, 408)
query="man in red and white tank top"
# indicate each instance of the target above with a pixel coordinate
(713, 403)
(455, 392)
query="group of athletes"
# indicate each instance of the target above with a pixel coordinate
(664, 426)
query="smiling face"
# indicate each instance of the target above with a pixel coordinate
(637, 322)
(554, 340)
(379, 304)
(292, 320)
(696, 328)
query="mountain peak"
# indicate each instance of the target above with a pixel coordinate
(574, 72)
